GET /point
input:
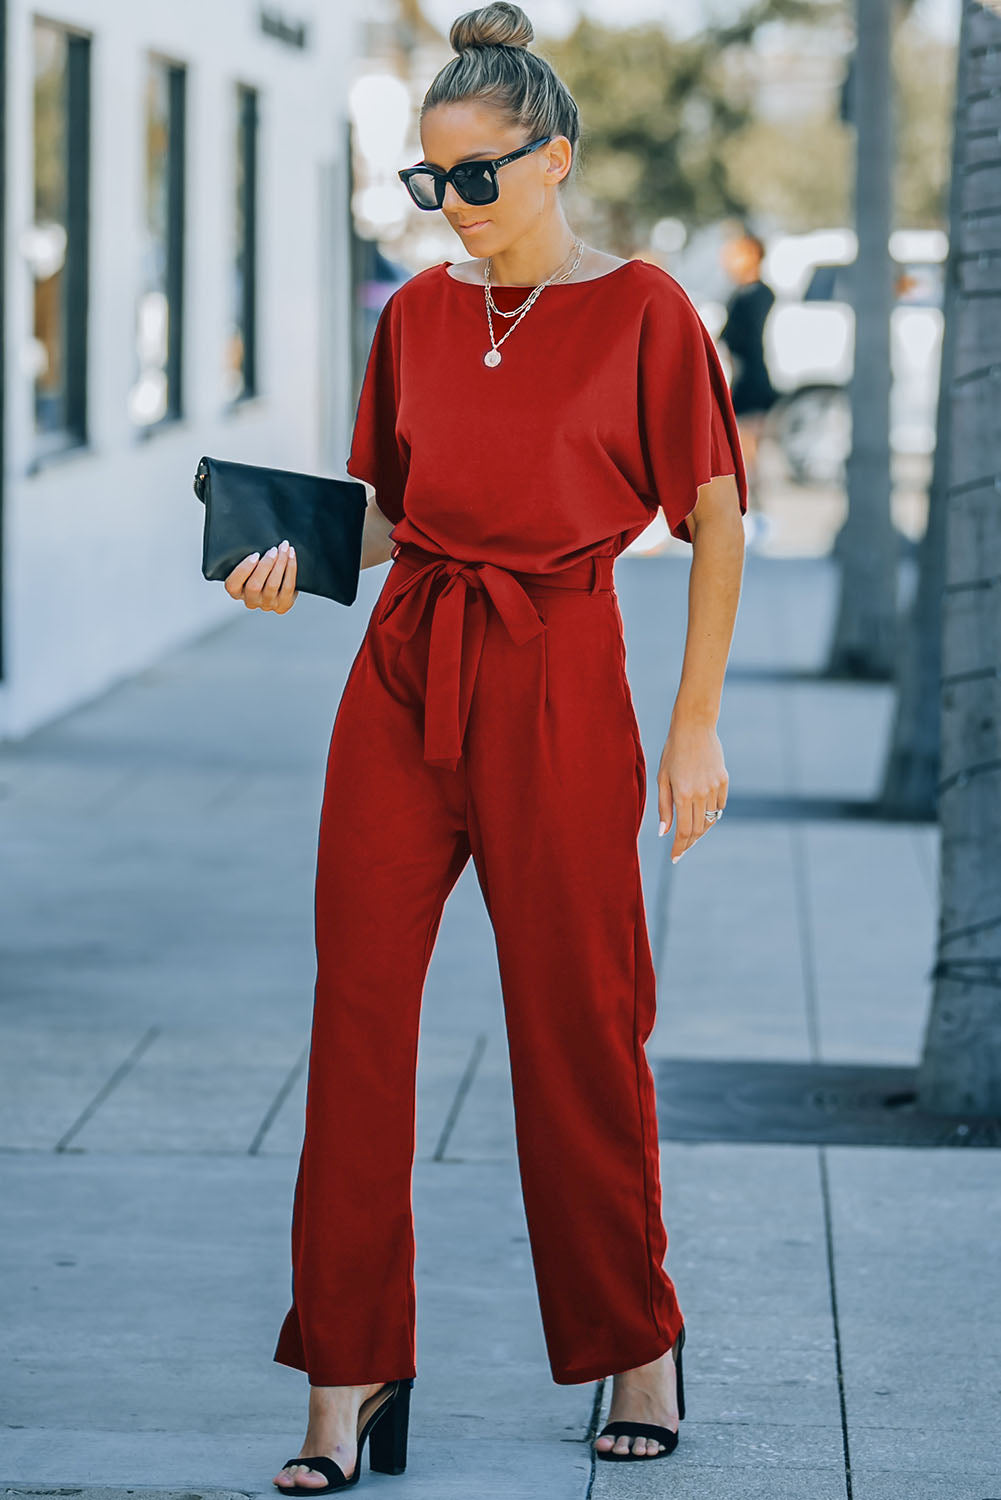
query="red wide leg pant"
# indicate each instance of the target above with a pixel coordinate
(487, 712)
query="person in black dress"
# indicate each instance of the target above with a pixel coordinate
(743, 333)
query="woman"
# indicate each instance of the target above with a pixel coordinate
(487, 713)
(751, 389)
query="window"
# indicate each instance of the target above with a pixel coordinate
(156, 396)
(57, 243)
(241, 345)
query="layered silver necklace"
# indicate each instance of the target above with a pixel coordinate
(493, 355)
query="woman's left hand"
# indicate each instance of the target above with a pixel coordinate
(691, 779)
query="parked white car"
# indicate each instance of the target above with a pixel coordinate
(810, 344)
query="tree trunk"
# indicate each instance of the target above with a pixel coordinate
(911, 772)
(865, 635)
(960, 1069)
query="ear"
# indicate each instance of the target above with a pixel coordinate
(560, 158)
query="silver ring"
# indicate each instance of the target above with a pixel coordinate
(712, 817)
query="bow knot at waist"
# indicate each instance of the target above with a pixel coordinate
(456, 637)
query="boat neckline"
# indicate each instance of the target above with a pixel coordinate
(512, 286)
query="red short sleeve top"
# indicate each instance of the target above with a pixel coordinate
(609, 401)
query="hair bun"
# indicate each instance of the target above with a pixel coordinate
(497, 25)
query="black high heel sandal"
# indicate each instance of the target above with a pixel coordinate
(622, 1428)
(387, 1449)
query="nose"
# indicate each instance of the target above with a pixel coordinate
(451, 200)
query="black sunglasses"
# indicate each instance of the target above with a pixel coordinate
(474, 181)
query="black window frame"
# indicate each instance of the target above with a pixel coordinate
(175, 220)
(246, 261)
(73, 434)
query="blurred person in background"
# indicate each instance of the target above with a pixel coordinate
(744, 335)
(524, 415)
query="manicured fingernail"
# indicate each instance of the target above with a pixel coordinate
(254, 556)
(283, 546)
(291, 551)
(271, 552)
(676, 857)
(662, 829)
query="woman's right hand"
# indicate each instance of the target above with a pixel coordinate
(266, 582)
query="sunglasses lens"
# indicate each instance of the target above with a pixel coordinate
(421, 186)
(475, 183)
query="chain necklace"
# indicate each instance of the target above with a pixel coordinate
(493, 355)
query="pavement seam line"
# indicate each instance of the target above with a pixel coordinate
(107, 1087)
(825, 1197)
(465, 1084)
(271, 1112)
(592, 1433)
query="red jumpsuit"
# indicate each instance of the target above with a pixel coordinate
(487, 713)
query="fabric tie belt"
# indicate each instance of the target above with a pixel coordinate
(457, 632)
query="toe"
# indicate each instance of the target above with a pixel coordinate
(300, 1474)
(646, 1447)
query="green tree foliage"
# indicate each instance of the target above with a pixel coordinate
(657, 113)
(672, 128)
(653, 115)
(801, 186)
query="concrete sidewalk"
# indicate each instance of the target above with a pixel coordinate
(157, 967)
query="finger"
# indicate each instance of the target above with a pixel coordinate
(699, 824)
(255, 583)
(665, 800)
(698, 818)
(273, 583)
(683, 832)
(288, 593)
(254, 590)
(238, 576)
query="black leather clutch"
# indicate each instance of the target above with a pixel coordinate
(249, 508)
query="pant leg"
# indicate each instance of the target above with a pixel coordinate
(392, 842)
(556, 795)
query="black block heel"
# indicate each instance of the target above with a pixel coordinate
(387, 1449)
(621, 1428)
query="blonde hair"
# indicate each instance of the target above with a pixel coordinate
(495, 66)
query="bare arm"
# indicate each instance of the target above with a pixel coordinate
(692, 775)
(376, 546)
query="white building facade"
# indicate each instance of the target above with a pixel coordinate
(176, 283)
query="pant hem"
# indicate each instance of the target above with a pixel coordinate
(595, 1371)
(338, 1377)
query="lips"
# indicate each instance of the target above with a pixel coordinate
(475, 224)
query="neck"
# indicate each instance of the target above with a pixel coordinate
(528, 264)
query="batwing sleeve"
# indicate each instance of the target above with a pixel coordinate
(378, 454)
(688, 428)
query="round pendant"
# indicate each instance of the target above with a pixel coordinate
(492, 357)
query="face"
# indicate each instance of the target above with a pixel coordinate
(451, 133)
(740, 257)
